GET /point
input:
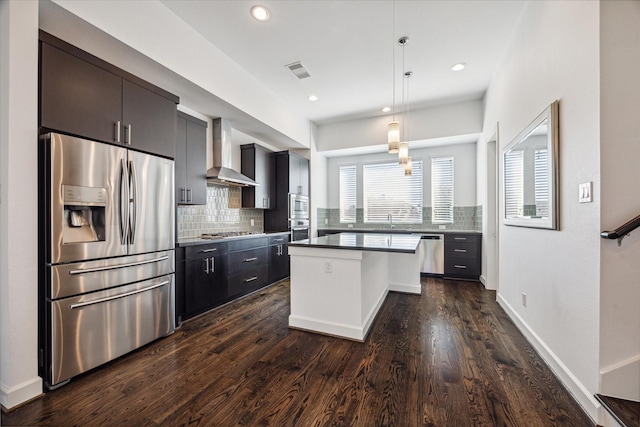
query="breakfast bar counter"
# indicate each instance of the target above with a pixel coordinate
(339, 281)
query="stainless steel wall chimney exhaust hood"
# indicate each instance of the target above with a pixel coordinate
(222, 171)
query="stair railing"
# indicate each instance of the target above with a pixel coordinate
(622, 231)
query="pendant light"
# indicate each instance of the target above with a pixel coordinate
(393, 129)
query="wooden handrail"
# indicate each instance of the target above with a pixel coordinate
(622, 231)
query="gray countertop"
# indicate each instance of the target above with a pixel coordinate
(191, 241)
(363, 242)
(397, 231)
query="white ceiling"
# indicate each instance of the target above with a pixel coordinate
(347, 47)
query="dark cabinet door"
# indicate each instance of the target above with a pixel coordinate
(149, 120)
(180, 163)
(304, 176)
(278, 262)
(196, 171)
(78, 97)
(294, 174)
(298, 174)
(204, 283)
(191, 160)
(257, 163)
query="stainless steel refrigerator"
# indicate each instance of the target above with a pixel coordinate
(107, 253)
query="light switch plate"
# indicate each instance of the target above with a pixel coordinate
(585, 192)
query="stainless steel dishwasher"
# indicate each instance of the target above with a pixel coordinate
(431, 253)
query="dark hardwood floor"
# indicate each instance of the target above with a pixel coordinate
(449, 357)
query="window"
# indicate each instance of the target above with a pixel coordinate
(348, 193)
(514, 190)
(442, 190)
(541, 180)
(387, 191)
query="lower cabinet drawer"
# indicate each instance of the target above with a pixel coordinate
(247, 281)
(461, 250)
(240, 261)
(461, 267)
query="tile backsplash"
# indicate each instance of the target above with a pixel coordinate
(464, 218)
(222, 213)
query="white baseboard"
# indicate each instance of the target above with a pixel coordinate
(23, 392)
(622, 380)
(405, 288)
(575, 387)
(483, 280)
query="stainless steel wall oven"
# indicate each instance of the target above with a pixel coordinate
(107, 255)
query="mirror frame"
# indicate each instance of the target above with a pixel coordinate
(552, 222)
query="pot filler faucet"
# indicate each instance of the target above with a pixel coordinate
(390, 220)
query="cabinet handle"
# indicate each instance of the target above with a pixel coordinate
(127, 138)
(117, 138)
(278, 240)
(189, 199)
(460, 250)
(459, 238)
(249, 259)
(460, 266)
(206, 263)
(213, 264)
(251, 279)
(209, 250)
(182, 197)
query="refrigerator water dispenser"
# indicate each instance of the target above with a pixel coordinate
(84, 214)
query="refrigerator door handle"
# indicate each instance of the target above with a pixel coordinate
(134, 199)
(113, 267)
(124, 202)
(126, 294)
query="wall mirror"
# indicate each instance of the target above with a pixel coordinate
(530, 165)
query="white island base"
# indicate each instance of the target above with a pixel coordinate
(339, 292)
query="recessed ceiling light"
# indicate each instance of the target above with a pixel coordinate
(260, 13)
(459, 66)
(386, 109)
(313, 98)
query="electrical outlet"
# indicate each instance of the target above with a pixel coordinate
(326, 221)
(253, 222)
(328, 266)
(350, 225)
(524, 299)
(442, 227)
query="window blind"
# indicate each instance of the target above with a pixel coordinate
(386, 190)
(348, 193)
(442, 190)
(541, 180)
(514, 189)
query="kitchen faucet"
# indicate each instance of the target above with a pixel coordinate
(390, 220)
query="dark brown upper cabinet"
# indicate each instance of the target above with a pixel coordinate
(191, 160)
(84, 96)
(258, 164)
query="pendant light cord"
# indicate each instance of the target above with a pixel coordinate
(393, 59)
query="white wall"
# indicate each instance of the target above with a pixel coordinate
(620, 175)
(318, 181)
(464, 172)
(552, 55)
(19, 380)
(443, 121)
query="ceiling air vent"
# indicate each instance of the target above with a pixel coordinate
(298, 70)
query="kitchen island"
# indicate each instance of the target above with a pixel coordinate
(339, 281)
